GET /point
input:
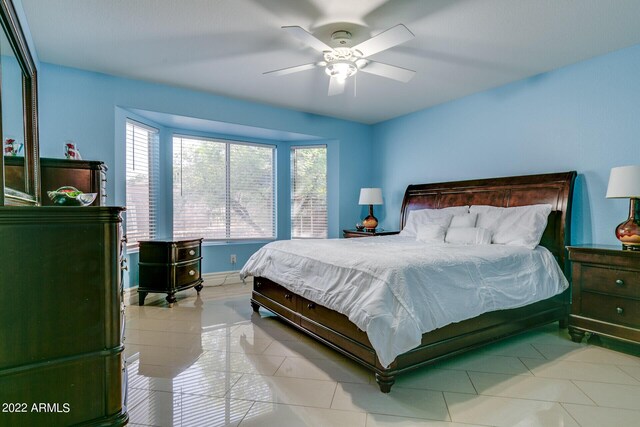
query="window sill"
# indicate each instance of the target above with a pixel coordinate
(237, 242)
(136, 249)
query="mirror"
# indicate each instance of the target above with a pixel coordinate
(12, 108)
(18, 125)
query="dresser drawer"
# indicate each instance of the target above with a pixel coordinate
(187, 253)
(611, 309)
(276, 293)
(187, 273)
(610, 281)
(169, 252)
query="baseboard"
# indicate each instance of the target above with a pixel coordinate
(222, 278)
(210, 279)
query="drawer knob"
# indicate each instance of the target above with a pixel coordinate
(619, 310)
(192, 272)
(287, 296)
(192, 252)
(619, 282)
(311, 305)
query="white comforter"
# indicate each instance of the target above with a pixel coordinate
(396, 288)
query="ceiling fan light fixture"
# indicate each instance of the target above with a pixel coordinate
(342, 70)
(341, 60)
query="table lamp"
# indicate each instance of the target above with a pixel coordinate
(624, 182)
(370, 196)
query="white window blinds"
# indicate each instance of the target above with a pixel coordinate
(223, 190)
(309, 192)
(142, 184)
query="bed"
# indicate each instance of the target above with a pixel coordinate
(337, 331)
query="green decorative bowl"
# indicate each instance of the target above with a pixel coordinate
(71, 196)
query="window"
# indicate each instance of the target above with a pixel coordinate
(142, 181)
(223, 190)
(309, 192)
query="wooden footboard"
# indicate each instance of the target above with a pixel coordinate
(338, 332)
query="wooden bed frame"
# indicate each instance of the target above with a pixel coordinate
(338, 332)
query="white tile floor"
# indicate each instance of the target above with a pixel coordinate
(211, 361)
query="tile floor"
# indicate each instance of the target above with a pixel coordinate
(211, 361)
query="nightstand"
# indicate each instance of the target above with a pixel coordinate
(605, 292)
(347, 234)
(169, 266)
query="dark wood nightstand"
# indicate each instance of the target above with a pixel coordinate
(169, 266)
(605, 292)
(347, 234)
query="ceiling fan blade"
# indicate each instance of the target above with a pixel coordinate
(289, 70)
(336, 86)
(386, 39)
(389, 71)
(306, 37)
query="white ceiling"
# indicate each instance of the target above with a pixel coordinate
(223, 46)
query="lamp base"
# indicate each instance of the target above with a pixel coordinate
(371, 222)
(629, 231)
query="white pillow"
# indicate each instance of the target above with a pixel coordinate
(431, 233)
(427, 216)
(517, 226)
(464, 220)
(468, 236)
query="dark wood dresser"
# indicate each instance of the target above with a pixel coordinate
(169, 266)
(348, 234)
(62, 316)
(605, 292)
(87, 176)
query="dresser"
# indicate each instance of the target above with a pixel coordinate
(62, 317)
(349, 234)
(88, 176)
(169, 266)
(605, 292)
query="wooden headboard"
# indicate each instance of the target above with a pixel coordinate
(555, 189)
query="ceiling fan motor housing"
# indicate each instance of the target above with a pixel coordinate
(339, 54)
(341, 61)
(342, 37)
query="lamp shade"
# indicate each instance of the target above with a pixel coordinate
(624, 181)
(370, 196)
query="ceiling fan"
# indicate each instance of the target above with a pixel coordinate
(343, 61)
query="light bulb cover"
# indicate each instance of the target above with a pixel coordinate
(341, 69)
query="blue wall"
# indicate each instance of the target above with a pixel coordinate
(584, 117)
(90, 109)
